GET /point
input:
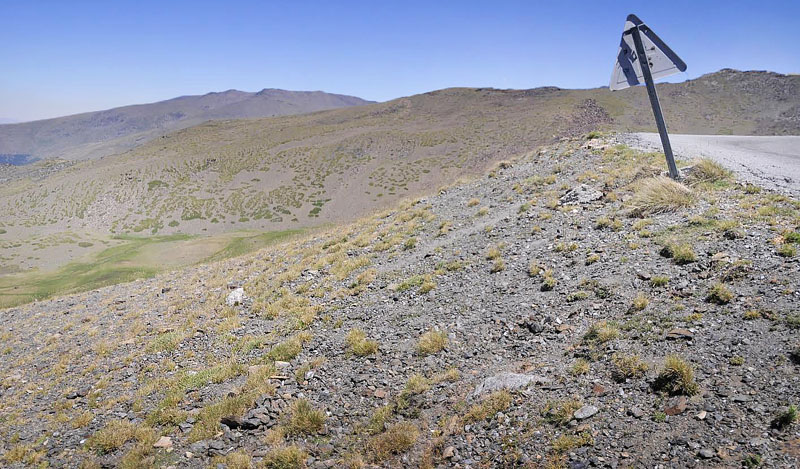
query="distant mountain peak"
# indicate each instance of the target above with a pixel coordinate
(96, 134)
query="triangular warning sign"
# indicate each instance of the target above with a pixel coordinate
(628, 70)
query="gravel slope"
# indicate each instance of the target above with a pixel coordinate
(167, 356)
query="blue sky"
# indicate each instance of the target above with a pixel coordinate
(64, 57)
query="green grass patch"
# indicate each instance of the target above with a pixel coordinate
(243, 244)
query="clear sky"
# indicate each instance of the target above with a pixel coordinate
(63, 57)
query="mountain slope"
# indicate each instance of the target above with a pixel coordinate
(96, 134)
(494, 324)
(292, 172)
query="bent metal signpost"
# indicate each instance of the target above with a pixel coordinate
(644, 56)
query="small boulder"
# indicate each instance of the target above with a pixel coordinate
(507, 381)
(236, 297)
(585, 412)
(164, 442)
(581, 194)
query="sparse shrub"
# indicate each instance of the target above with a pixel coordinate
(395, 440)
(427, 284)
(640, 302)
(424, 282)
(787, 250)
(792, 237)
(534, 269)
(416, 384)
(565, 247)
(548, 281)
(81, 420)
(627, 367)
(366, 277)
(659, 280)
(677, 377)
(289, 348)
(117, 432)
(719, 294)
(793, 321)
(493, 253)
(785, 418)
(580, 367)
(432, 342)
(492, 404)
(592, 258)
(561, 412)
(751, 315)
(707, 171)
(497, 266)
(640, 225)
(381, 415)
(681, 253)
(752, 189)
(694, 317)
(567, 442)
(445, 227)
(166, 342)
(289, 457)
(600, 333)
(602, 222)
(305, 419)
(359, 344)
(577, 296)
(235, 460)
(660, 195)
(751, 461)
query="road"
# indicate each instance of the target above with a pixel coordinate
(772, 162)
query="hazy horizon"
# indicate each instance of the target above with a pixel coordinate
(70, 59)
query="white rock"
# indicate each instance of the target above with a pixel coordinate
(507, 381)
(163, 442)
(235, 297)
(585, 412)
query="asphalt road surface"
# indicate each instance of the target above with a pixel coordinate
(772, 162)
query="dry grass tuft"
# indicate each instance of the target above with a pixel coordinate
(707, 171)
(640, 302)
(305, 419)
(395, 440)
(432, 342)
(359, 344)
(491, 405)
(660, 195)
(117, 432)
(600, 333)
(627, 367)
(289, 457)
(677, 377)
(680, 253)
(561, 412)
(719, 294)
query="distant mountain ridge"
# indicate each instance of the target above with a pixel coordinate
(94, 134)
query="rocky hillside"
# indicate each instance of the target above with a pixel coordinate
(96, 134)
(299, 171)
(568, 309)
